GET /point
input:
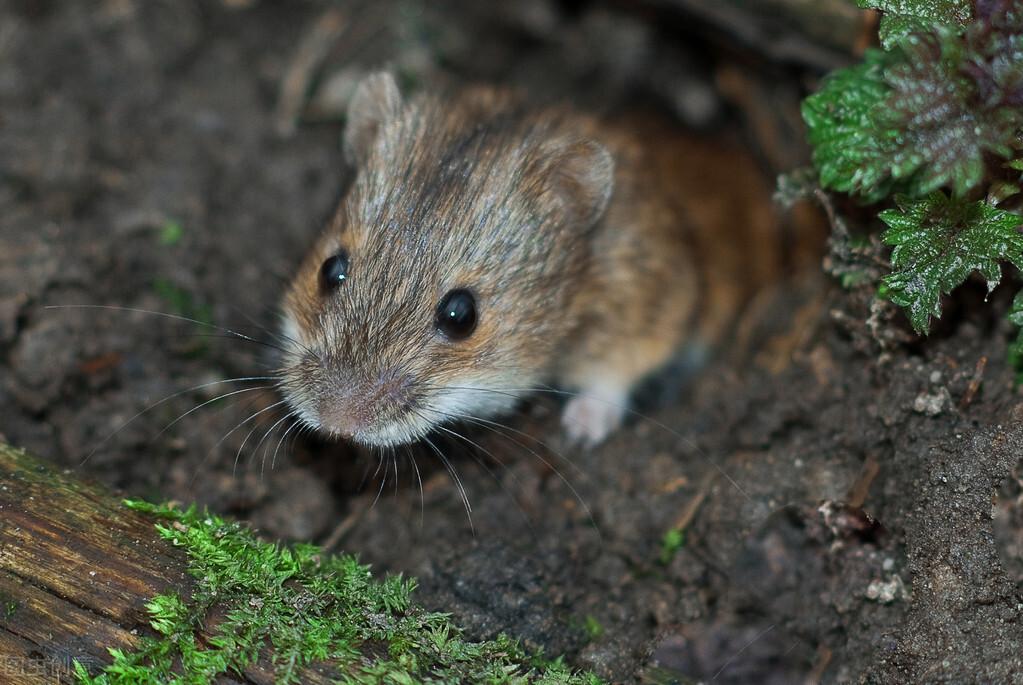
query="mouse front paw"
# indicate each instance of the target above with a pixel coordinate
(589, 419)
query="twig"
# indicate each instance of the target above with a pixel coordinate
(859, 490)
(689, 513)
(823, 659)
(342, 529)
(974, 386)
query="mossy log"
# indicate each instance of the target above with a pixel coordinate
(77, 568)
(98, 589)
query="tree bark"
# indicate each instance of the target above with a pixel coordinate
(76, 570)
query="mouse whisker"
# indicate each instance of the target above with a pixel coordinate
(509, 392)
(245, 440)
(458, 482)
(273, 459)
(218, 336)
(166, 399)
(411, 454)
(381, 465)
(365, 475)
(262, 463)
(303, 430)
(280, 335)
(248, 402)
(279, 338)
(209, 402)
(173, 317)
(394, 459)
(493, 427)
(494, 476)
(688, 442)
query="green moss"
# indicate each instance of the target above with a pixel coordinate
(672, 542)
(8, 605)
(594, 629)
(302, 607)
(171, 233)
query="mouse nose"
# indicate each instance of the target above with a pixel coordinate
(347, 412)
(342, 416)
(361, 406)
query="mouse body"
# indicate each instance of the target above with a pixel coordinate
(486, 249)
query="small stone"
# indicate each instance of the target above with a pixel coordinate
(885, 592)
(932, 404)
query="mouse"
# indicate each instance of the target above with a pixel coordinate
(487, 249)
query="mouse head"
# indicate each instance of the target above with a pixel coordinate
(443, 287)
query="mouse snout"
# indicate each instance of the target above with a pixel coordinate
(357, 407)
(343, 416)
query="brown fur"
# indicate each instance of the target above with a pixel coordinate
(592, 254)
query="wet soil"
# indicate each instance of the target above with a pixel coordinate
(851, 502)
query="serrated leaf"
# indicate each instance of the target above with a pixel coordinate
(1016, 311)
(995, 62)
(927, 115)
(904, 17)
(945, 135)
(947, 98)
(1016, 346)
(850, 153)
(938, 242)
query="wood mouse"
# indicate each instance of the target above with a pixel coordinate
(486, 248)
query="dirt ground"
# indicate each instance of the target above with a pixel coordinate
(851, 498)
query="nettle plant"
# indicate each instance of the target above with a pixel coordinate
(931, 125)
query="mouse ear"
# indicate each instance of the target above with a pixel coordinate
(376, 100)
(581, 176)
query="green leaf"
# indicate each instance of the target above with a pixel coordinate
(850, 151)
(1001, 191)
(1016, 311)
(927, 114)
(1016, 346)
(938, 243)
(946, 127)
(903, 17)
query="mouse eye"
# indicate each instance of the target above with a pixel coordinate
(334, 270)
(456, 314)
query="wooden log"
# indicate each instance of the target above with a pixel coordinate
(76, 570)
(82, 573)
